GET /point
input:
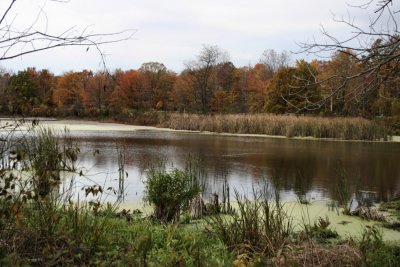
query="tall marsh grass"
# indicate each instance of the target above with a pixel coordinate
(281, 125)
(257, 226)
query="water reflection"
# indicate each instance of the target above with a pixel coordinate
(300, 168)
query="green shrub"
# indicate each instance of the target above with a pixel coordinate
(169, 192)
(376, 252)
(319, 231)
(177, 245)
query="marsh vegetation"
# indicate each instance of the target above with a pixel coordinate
(281, 125)
(42, 223)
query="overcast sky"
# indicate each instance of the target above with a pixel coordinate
(173, 31)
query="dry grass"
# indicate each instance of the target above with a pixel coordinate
(282, 125)
(311, 254)
(369, 213)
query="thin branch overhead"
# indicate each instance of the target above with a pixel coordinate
(374, 48)
(16, 42)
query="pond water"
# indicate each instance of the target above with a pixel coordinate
(297, 168)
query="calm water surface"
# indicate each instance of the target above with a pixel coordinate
(297, 168)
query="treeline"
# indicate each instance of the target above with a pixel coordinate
(209, 84)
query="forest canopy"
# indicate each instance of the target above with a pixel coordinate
(210, 84)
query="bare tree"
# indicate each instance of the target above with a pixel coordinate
(375, 47)
(17, 40)
(204, 67)
(273, 61)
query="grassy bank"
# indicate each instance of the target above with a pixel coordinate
(44, 232)
(257, 233)
(289, 126)
(80, 236)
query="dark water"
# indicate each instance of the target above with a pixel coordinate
(297, 168)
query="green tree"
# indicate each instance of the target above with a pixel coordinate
(4, 84)
(23, 92)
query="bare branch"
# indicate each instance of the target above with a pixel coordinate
(374, 50)
(16, 43)
(7, 11)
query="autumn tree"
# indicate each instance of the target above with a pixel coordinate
(98, 89)
(334, 73)
(279, 88)
(254, 82)
(70, 92)
(228, 96)
(46, 82)
(304, 89)
(204, 70)
(183, 95)
(158, 83)
(20, 36)
(255, 79)
(273, 61)
(291, 91)
(373, 46)
(128, 93)
(386, 81)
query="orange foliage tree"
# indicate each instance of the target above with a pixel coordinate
(128, 93)
(333, 76)
(70, 94)
(253, 82)
(98, 88)
(183, 94)
(158, 84)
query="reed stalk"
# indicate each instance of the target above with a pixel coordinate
(280, 125)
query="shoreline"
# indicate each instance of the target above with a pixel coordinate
(93, 125)
(346, 225)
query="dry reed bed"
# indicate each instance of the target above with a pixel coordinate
(282, 125)
(317, 255)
